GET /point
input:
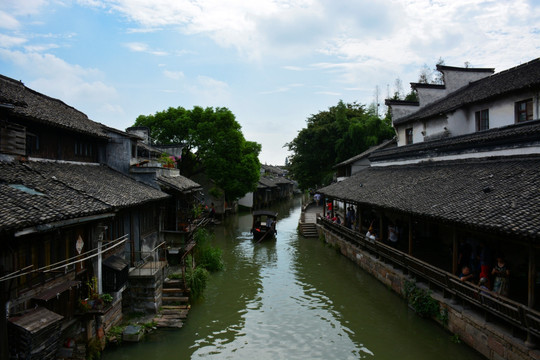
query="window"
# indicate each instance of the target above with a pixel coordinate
(524, 110)
(482, 120)
(32, 144)
(408, 136)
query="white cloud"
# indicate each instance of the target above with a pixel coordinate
(144, 48)
(40, 48)
(80, 87)
(293, 68)
(22, 8)
(7, 41)
(8, 21)
(209, 91)
(175, 75)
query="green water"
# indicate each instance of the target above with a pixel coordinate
(294, 298)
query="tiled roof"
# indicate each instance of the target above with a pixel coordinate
(387, 143)
(274, 169)
(100, 182)
(499, 195)
(53, 202)
(507, 136)
(522, 77)
(180, 183)
(265, 182)
(30, 104)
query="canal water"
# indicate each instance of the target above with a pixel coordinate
(294, 298)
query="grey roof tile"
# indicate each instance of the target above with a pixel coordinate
(41, 108)
(501, 195)
(525, 76)
(55, 201)
(180, 183)
(101, 182)
(67, 191)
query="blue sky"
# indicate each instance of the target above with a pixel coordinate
(273, 63)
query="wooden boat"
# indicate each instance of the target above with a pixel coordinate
(264, 224)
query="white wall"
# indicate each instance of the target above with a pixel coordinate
(463, 121)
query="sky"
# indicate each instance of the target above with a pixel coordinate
(273, 63)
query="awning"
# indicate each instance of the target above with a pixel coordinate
(115, 262)
(56, 291)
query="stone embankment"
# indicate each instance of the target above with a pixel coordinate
(494, 341)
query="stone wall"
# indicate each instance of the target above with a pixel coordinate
(144, 293)
(494, 341)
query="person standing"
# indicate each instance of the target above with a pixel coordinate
(393, 234)
(501, 274)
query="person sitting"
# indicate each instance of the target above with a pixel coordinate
(370, 235)
(483, 283)
(466, 274)
(269, 222)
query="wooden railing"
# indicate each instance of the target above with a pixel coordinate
(512, 312)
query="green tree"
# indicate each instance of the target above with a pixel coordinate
(332, 136)
(213, 143)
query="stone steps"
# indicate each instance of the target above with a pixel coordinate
(175, 305)
(173, 299)
(309, 230)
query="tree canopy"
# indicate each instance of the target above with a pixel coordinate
(213, 143)
(333, 136)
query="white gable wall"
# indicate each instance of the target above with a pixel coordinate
(456, 79)
(463, 121)
(429, 95)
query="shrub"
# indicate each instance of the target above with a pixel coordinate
(206, 255)
(421, 300)
(197, 280)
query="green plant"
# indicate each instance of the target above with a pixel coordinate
(115, 334)
(443, 316)
(197, 280)
(206, 255)
(455, 339)
(175, 276)
(93, 349)
(421, 300)
(92, 288)
(107, 298)
(84, 306)
(148, 325)
(196, 211)
(167, 160)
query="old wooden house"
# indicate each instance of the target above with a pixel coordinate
(75, 223)
(462, 187)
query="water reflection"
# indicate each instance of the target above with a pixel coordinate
(294, 298)
(287, 318)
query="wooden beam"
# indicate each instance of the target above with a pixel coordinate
(532, 276)
(410, 236)
(455, 251)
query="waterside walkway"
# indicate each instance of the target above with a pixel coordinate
(308, 219)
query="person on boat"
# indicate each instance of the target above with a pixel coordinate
(269, 222)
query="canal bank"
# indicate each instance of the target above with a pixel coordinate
(293, 298)
(494, 341)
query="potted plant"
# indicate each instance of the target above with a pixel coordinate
(167, 161)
